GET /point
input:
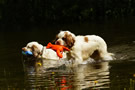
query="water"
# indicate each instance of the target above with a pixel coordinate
(18, 72)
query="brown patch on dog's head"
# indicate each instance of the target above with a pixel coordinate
(69, 40)
(34, 47)
(35, 50)
(86, 39)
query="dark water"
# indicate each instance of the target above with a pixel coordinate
(18, 73)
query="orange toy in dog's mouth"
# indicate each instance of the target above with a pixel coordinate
(58, 48)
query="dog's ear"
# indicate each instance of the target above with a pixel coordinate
(69, 39)
(34, 47)
(35, 50)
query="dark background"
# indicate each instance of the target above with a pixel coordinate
(20, 15)
(41, 20)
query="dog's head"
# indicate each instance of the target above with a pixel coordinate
(33, 47)
(65, 38)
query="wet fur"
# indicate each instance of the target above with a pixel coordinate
(40, 51)
(84, 47)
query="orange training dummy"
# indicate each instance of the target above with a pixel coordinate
(58, 48)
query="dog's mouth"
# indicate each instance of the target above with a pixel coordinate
(28, 53)
(58, 43)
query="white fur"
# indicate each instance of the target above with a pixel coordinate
(47, 53)
(82, 50)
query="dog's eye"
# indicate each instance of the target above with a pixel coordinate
(63, 38)
(28, 47)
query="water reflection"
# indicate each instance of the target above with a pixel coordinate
(54, 75)
(92, 76)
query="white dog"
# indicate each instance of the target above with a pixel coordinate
(84, 47)
(40, 51)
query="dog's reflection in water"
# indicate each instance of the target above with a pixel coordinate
(92, 76)
(53, 75)
(39, 65)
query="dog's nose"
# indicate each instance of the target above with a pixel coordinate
(23, 49)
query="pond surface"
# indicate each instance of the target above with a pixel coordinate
(20, 73)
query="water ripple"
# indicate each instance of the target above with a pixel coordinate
(61, 77)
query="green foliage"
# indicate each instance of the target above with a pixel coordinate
(25, 12)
